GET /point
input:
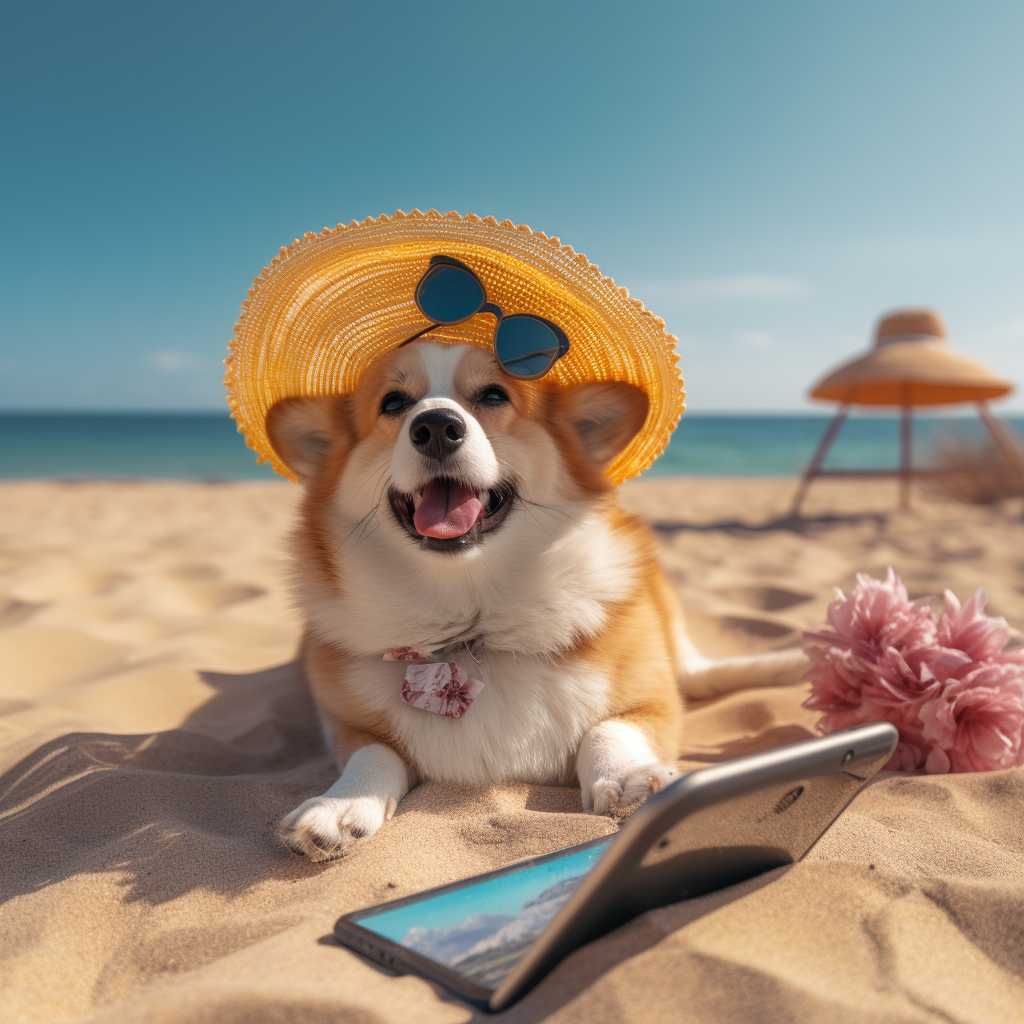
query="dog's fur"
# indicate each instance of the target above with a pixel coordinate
(555, 600)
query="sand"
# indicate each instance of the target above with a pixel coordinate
(153, 728)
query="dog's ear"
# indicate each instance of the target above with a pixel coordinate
(604, 416)
(304, 430)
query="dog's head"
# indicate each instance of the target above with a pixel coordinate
(447, 454)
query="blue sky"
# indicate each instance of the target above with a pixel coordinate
(767, 177)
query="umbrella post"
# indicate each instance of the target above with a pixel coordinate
(906, 454)
(814, 466)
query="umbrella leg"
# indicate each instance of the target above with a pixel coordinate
(814, 466)
(906, 457)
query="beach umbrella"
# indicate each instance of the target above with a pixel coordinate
(910, 364)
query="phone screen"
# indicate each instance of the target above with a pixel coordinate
(482, 929)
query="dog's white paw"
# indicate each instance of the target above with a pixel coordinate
(634, 783)
(325, 827)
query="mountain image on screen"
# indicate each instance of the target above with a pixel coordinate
(485, 947)
(446, 945)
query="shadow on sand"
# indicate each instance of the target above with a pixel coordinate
(767, 739)
(803, 526)
(189, 808)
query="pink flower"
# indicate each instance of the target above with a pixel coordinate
(951, 689)
(969, 630)
(976, 724)
(878, 615)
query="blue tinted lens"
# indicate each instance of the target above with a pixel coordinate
(525, 346)
(447, 295)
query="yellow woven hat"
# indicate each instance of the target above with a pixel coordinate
(330, 305)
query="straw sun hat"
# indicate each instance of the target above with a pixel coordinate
(329, 305)
(911, 364)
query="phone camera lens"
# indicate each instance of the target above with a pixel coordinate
(847, 757)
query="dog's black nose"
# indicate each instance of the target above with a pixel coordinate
(438, 432)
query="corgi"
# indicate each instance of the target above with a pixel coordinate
(461, 517)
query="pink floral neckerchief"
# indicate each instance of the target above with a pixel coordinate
(442, 687)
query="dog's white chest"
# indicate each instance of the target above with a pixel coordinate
(525, 725)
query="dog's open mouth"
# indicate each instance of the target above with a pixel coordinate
(448, 515)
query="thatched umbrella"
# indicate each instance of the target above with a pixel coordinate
(910, 364)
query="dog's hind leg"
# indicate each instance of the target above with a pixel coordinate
(699, 676)
(706, 677)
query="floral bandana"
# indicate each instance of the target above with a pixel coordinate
(442, 687)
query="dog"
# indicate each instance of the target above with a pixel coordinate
(450, 508)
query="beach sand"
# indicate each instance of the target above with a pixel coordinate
(153, 729)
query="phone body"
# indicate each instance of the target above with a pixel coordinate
(709, 829)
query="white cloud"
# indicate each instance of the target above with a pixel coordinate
(730, 288)
(754, 339)
(174, 360)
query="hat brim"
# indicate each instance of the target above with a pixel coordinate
(330, 305)
(911, 373)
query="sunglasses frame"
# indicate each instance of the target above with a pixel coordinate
(494, 310)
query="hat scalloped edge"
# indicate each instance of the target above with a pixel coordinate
(310, 237)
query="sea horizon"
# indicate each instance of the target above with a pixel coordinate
(200, 445)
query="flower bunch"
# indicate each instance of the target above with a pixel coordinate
(947, 683)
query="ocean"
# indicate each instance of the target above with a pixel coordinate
(206, 446)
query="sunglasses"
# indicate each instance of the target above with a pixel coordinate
(527, 346)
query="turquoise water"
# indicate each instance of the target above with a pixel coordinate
(108, 445)
(207, 447)
(714, 445)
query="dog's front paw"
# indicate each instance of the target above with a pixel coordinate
(325, 827)
(634, 783)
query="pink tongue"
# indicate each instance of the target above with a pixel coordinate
(447, 510)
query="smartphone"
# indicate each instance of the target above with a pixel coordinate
(493, 937)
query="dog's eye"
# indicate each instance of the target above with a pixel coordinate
(492, 396)
(394, 402)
